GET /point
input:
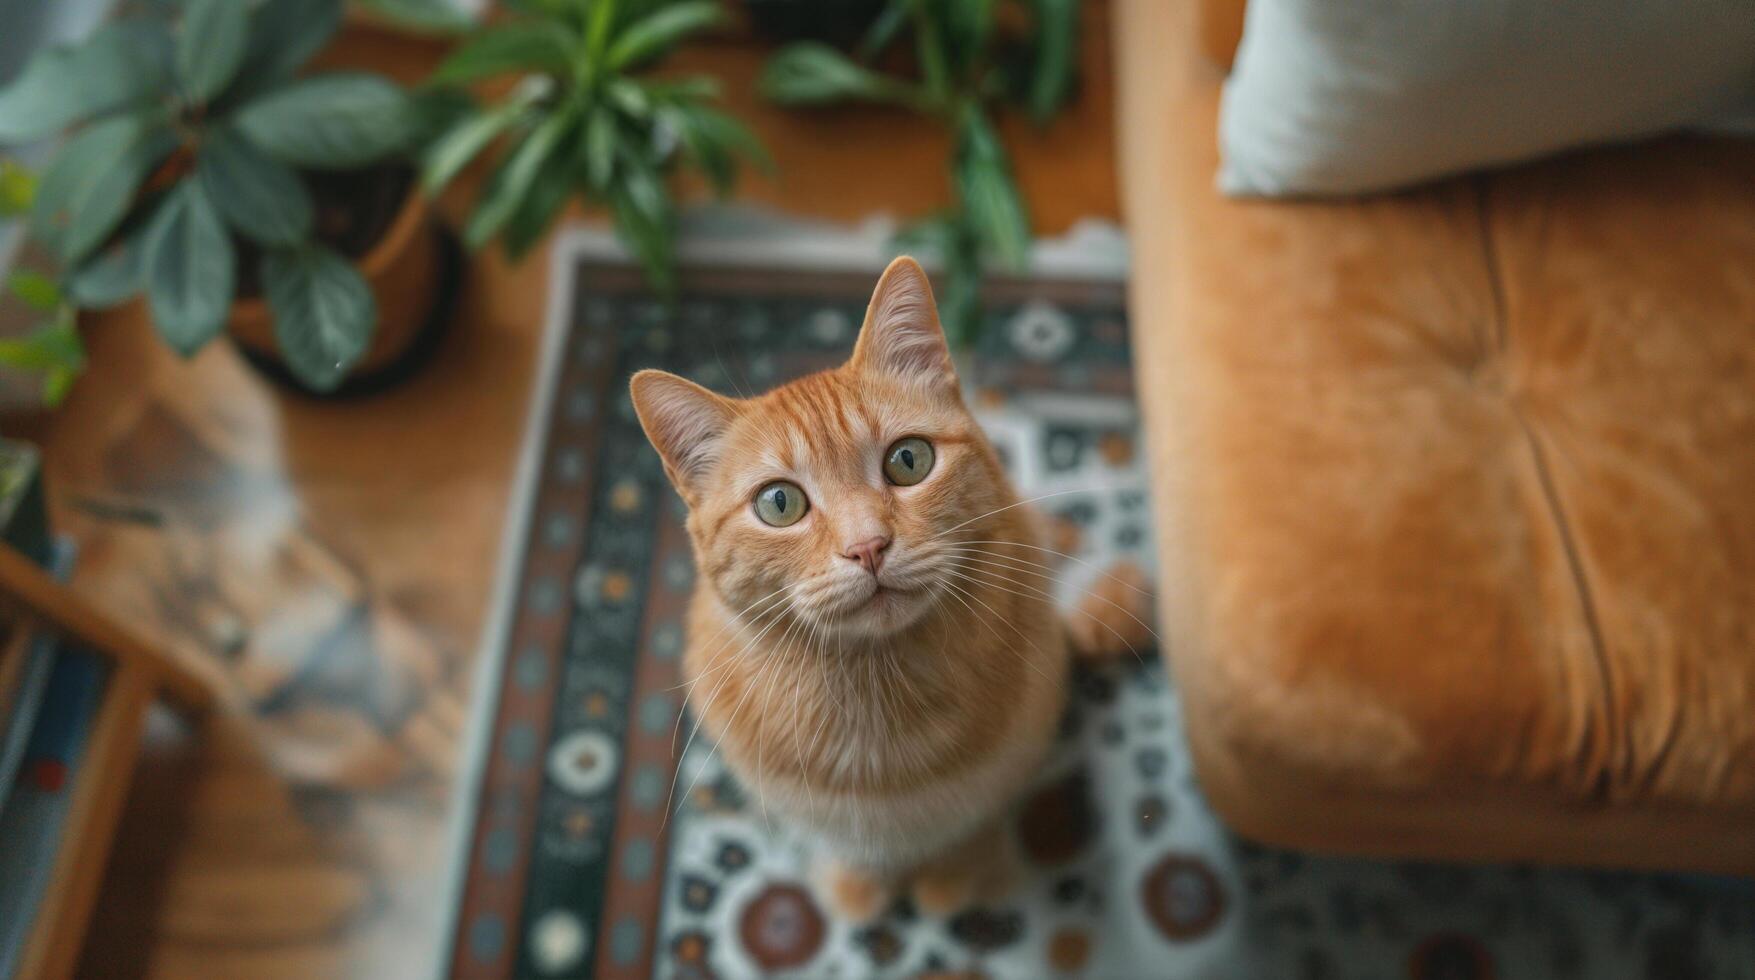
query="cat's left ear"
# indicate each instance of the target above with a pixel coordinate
(685, 423)
(901, 335)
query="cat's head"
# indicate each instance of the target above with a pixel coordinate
(840, 496)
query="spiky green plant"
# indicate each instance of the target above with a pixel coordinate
(583, 121)
(969, 58)
(188, 129)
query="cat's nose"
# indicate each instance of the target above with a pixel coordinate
(869, 553)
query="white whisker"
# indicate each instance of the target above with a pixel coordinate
(1031, 568)
(783, 650)
(736, 619)
(701, 718)
(1021, 503)
(1037, 594)
(959, 592)
(1075, 560)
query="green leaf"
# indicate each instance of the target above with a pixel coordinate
(645, 188)
(986, 191)
(433, 112)
(18, 188)
(816, 74)
(324, 313)
(546, 8)
(689, 88)
(433, 16)
(284, 34)
(34, 290)
(57, 384)
(452, 152)
(661, 30)
(949, 237)
(646, 224)
(122, 64)
(210, 46)
(541, 205)
(601, 136)
(330, 122)
(506, 189)
(884, 29)
(53, 350)
(259, 197)
(190, 269)
(960, 305)
(61, 339)
(94, 180)
(1057, 33)
(47, 347)
(28, 353)
(111, 276)
(600, 17)
(968, 25)
(930, 51)
(630, 97)
(544, 46)
(715, 142)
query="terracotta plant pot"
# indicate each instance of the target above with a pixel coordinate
(406, 271)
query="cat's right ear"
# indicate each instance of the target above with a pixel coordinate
(901, 336)
(684, 421)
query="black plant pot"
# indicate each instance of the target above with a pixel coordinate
(837, 22)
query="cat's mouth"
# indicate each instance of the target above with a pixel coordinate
(891, 594)
(884, 607)
(880, 596)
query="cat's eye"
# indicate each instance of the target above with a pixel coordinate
(908, 461)
(781, 504)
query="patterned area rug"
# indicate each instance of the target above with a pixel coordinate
(571, 867)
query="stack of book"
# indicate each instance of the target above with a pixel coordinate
(49, 695)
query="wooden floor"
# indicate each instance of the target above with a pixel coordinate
(328, 563)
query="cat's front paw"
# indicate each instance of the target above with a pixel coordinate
(853, 894)
(981, 869)
(944, 892)
(1115, 616)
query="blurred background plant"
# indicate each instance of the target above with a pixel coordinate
(184, 174)
(51, 348)
(435, 16)
(583, 120)
(957, 62)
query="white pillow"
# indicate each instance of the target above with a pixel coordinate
(1345, 96)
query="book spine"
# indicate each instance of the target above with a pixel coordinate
(24, 513)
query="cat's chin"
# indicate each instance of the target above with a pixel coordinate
(885, 611)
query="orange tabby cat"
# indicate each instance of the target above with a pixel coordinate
(869, 668)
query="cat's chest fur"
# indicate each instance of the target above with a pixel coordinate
(889, 749)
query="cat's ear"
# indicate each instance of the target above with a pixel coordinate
(685, 423)
(902, 335)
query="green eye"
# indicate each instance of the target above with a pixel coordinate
(781, 504)
(908, 462)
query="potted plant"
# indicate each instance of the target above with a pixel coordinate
(204, 171)
(968, 60)
(583, 120)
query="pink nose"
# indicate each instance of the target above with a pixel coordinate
(869, 553)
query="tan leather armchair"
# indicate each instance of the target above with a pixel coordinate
(1455, 487)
